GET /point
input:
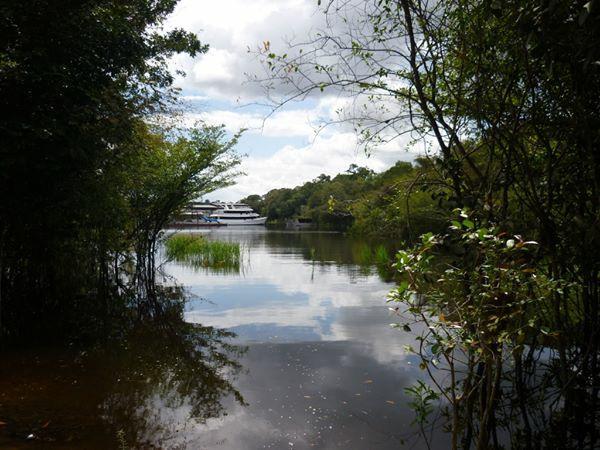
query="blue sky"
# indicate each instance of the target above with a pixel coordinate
(282, 150)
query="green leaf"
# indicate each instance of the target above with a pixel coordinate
(402, 287)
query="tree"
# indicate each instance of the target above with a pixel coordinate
(255, 202)
(76, 80)
(170, 172)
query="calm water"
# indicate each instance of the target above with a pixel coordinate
(314, 363)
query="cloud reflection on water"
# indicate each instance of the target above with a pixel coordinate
(323, 369)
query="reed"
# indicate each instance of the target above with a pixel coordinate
(197, 251)
(381, 256)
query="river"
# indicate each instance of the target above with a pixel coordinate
(313, 363)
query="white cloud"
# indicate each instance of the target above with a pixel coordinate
(195, 98)
(329, 150)
(231, 27)
(215, 66)
(292, 166)
(299, 122)
(282, 124)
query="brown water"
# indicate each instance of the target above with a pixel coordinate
(314, 363)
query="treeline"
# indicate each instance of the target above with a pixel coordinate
(391, 204)
(89, 176)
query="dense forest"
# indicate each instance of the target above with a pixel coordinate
(387, 205)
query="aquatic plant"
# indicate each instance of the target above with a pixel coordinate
(198, 252)
(381, 256)
(369, 255)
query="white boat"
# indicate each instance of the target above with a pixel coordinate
(236, 214)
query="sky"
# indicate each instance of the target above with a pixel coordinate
(281, 148)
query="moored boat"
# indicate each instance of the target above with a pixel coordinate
(237, 214)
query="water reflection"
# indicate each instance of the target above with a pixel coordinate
(285, 295)
(171, 381)
(146, 390)
(314, 363)
(317, 395)
(323, 369)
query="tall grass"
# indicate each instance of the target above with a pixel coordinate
(369, 257)
(381, 256)
(199, 252)
(366, 254)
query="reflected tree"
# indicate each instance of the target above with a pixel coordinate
(168, 378)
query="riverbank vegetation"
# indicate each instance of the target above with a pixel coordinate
(90, 176)
(391, 205)
(506, 97)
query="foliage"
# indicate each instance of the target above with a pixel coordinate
(171, 171)
(324, 200)
(390, 204)
(402, 207)
(478, 292)
(505, 98)
(87, 184)
(422, 401)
